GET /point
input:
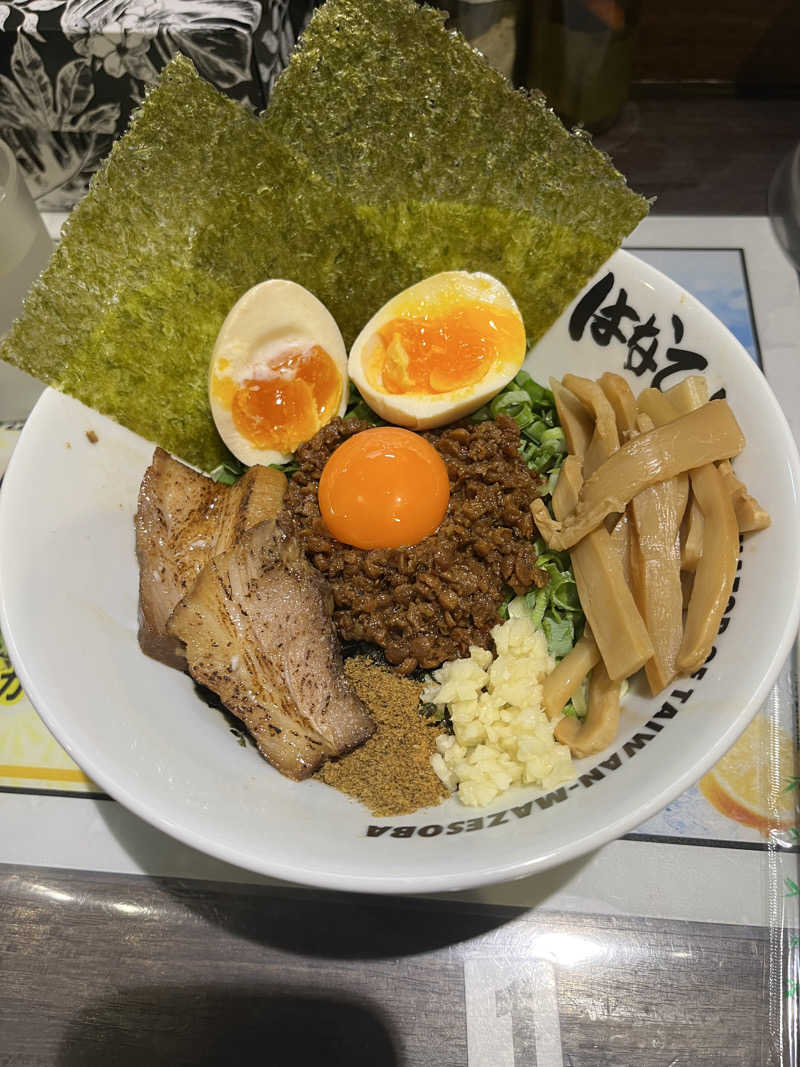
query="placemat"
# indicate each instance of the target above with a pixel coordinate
(725, 851)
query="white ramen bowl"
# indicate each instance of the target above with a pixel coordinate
(68, 609)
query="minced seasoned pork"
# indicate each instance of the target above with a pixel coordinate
(428, 603)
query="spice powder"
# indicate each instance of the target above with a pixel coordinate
(391, 772)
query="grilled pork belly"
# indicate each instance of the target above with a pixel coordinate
(183, 520)
(258, 632)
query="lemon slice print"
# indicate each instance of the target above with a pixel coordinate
(29, 755)
(749, 784)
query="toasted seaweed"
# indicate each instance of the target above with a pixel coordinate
(398, 108)
(387, 104)
(283, 221)
(390, 151)
(118, 319)
(197, 202)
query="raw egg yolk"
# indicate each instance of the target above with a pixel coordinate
(440, 353)
(280, 411)
(384, 488)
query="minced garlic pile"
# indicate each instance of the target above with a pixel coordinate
(502, 735)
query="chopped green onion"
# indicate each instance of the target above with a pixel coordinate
(228, 472)
(538, 394)
(286, 468)
(555, 607)
(560, 634)
(555, 433)
(505, 403)
(357, 408)
(537, 603)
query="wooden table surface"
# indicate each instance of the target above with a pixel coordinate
(107, 970)
(117, 970)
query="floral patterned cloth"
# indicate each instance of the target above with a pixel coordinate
(72, 72)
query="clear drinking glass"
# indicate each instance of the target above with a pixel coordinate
(25, 247)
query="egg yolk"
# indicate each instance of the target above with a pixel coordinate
(440, 353)
(384, 488)
(286, 408)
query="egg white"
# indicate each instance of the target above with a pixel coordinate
(418, 411)
(269, 319)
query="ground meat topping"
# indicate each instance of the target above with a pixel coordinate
(428, 603)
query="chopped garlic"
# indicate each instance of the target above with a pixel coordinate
(501, 734)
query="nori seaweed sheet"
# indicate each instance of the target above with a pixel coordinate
(388, 103)
(460, 170)
(196, 203)
(390, 151)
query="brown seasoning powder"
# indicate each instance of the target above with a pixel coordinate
(391, 772)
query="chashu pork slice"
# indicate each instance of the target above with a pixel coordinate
(183, 520)
(258, 632)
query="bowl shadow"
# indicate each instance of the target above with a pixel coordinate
(319, 923)
(216, 1024)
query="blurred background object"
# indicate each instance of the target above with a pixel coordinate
(589, 56)
(495, 28)
(578, 52)
(581, 56)
(784, 204)
(73, 71)
(25, 245)
(25, 248)
(731, 47)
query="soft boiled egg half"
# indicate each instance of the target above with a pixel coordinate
(439, 350)
(278, 372)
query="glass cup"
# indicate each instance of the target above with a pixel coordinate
(25, 248)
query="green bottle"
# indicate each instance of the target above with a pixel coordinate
(580, 56)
